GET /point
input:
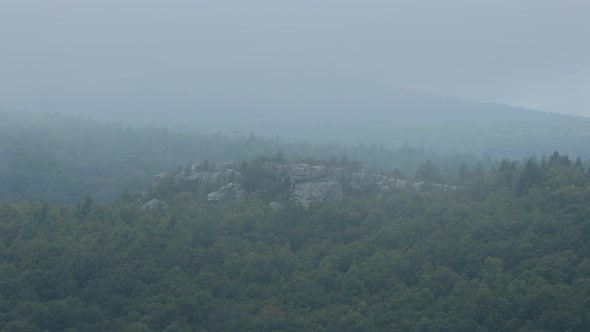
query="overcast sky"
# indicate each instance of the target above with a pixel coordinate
(531, 53)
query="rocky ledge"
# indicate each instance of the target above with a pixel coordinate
(308, 183)
(209, 173)
(227, 193)
(313, 183)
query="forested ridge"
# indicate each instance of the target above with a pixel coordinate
(62, 159)
(508, 252)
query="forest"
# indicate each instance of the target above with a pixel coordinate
(508, 251)
(304, 165)
(62, 159)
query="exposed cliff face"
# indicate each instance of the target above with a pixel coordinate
(298, 173)
(308, 183)
(312, 183)
(364, 180)
(211, 173)
(229, 192)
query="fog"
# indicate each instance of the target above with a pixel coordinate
(149, 57)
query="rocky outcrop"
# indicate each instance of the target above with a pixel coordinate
(211, 173)
(305, 172)
(364, 180)
(275, 205)
(315, 183)
(308, 183)
(229, 192)
(306, 193)
(154, 204)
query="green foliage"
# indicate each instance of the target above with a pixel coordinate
(429, 172)
(490, 257)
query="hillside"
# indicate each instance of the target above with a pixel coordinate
(509, 252)
(324, 109)
(61, 158)
(57, 158)
(360, 112)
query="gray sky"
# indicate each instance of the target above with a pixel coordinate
(531, 53)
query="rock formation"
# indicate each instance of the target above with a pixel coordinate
(275, 205)
(209, 173)
(154, 204)
(315, 183)
(308, 183)
(229, 192)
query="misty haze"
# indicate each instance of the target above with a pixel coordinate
(406, 165)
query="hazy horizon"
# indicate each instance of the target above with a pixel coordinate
(99, 56)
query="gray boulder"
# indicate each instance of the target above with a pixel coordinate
(275, 205)
(209, 173)
(305, 172)
(229, 192)
(208, 177)
(154, 204)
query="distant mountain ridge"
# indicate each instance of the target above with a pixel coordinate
(355, 112)
(331, 109)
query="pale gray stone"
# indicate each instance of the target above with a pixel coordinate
(154, 204)
(275, 205)
(306, 193)
(229, 192)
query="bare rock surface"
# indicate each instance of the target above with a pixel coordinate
(316, 183)
(209, 173)
(308, 183)
(229, 192)
(154, 204)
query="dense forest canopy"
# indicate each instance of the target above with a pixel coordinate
(507, 249)
(510, 251)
